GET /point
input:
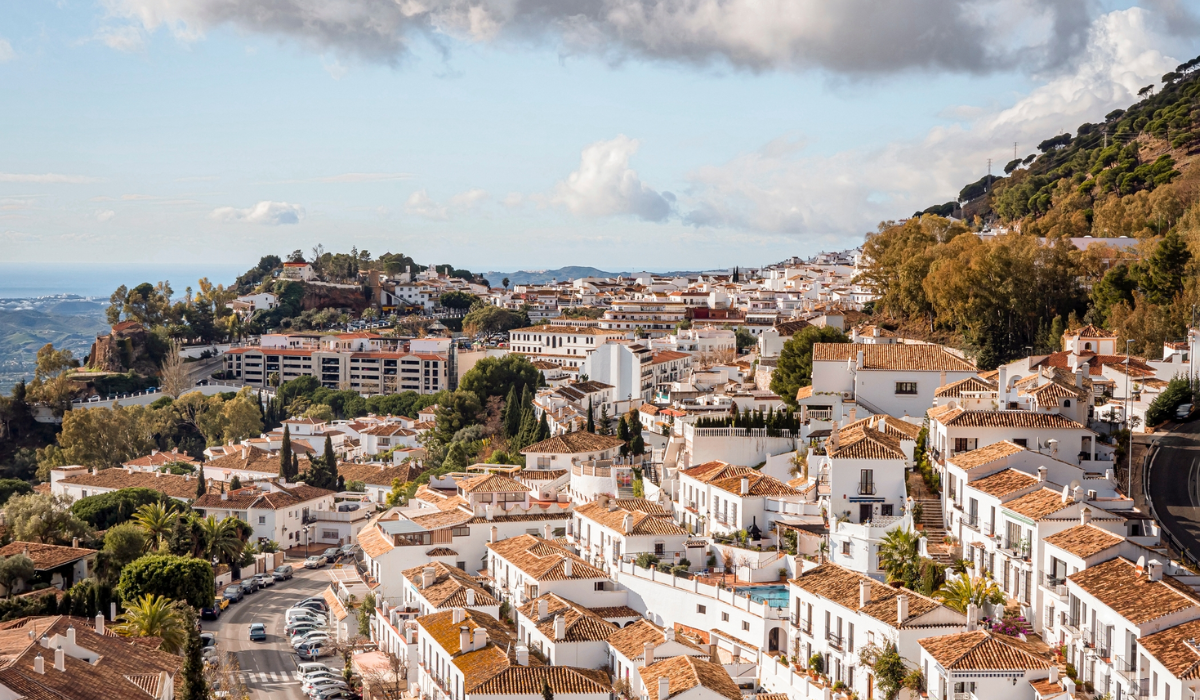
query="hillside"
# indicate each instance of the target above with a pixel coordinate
(1135, 176)
(28, 324)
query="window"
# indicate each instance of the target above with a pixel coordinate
(745, 626)
(724, 617)
(599, 586)
(887, 510)
(906, 388)
(701, 609)
(1021, 442)
(846, 548)
(961, 445)
(262, 520)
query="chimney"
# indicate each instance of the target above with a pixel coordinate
(972, 616)
(1075, 495)
(470, 597)
(858, 360)
(39, 665)
(428, 574)
(112, 610)
(75, 542)
(1053, 674)
(1091, 494)
(745, 485)
(60, 660)
(853, 413)
(44, 641)
(567, 567)
(100, 623)
(464, 639)
(480, 639)
(560, 628)
(493, 536)
(1154, 570)
(543, 608)
(547, 532)
(1085, 516)
(1079, 377)
(864, 593)
(647, 653)
(1002, 385)
(901, 609)
(1053, 447)
(664, 688)
(1042, 473)
(71, 635)
(224, 496)
(522, 655)
(157, 475)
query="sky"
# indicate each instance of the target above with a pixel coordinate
(532, 134)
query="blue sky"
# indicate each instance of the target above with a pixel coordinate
(500, 135)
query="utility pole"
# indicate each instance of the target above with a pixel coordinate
(1014, 150)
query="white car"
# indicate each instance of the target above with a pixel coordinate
(309, 686)
(302, 613)
(309, 638)
(313, 667)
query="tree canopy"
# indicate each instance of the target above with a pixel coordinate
(794, 369)
(178, 578)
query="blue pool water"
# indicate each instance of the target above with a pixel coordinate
(775, 596)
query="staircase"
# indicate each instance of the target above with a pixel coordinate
(935, 531)
(1013, 612)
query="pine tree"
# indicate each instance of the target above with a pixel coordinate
(194, 686)
(235, 483)
(201, 487)
(285, 456)
(604, 428)
(591, 421)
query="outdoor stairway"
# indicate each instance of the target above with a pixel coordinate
(935, 531)
(1013, 612)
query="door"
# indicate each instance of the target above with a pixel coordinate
(773, 639)
(864, 512)
(870, 687)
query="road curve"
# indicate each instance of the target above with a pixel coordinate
(1174, 485)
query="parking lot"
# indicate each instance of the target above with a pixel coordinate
(269, 667)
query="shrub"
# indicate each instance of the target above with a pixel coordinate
(178, 578)
(1163, 408)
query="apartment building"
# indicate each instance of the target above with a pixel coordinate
(338, 365)
(896, 380)
(607, 530)
(720, 498)
(567, 346)
(652, 318)
(527, 566)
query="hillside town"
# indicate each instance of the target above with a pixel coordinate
(717, 485)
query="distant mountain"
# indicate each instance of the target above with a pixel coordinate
(569, 273)
(28, 324)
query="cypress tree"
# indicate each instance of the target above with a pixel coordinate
(296, 466)
(194, 686)
(591, 421)
(623, 434)
(201, 488)
(526, 399)
(512, 413)
(285, 456)
(543, 429)
(235, 483)
(527, 433)
(604, 428)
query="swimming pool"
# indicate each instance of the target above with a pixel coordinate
(775, 596)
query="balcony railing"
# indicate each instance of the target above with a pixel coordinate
(1125, 668)
(1140, 688)
(802, 624)
(1071, 625)
(834, 641)
(971, 520)
(866, 488)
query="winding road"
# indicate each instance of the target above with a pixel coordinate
(1174, 485)
(269, 668)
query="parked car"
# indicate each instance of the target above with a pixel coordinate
(348, 549)
(1183, 411)
(312, 687)
(282, 573)
(317, 602)
(258, 632)
(313, 651)
(314, 667)
(316, 561)
(233, 594)
(332, 553)
(208, 639)
(332, 694)
(296, 615)
(264, 580)
(211, 612)
(222, 603)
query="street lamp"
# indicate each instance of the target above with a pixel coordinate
(307, 532)
(1129, 427)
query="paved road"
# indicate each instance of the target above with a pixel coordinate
(269, 667)
(1175, 484)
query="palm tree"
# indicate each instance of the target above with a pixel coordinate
(964, 590)
(221, 539)
(900, 556)
(157, 522)
(155, 616)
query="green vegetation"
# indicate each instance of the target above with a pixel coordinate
(1175, 395)
(187, 579)
(105, 510)
(795, 361)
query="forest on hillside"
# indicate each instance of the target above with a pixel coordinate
(1000, 297)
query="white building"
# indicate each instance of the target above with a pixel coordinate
(274, 511)
(897, 380)
(981, 664)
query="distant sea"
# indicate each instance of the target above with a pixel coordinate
(24, 280)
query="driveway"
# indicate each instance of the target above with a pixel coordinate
(1174, 485)
(269, 668)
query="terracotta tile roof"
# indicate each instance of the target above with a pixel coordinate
(684, 673)
(450, 586)
(441, 552)
(387, 430)
(981, 651)
(251, 459)
(1091, 331)
(760, 485)
(543, 560)
(943, 413)
(1117, 584)
(1084, 540)
(642, 505)
(158, 459)
(1050, 393)
(712, 471)
(619, 611)
(841, 585)
(1039, 504)
(379, 474)
(46, 556)
(374, 542)
(804, 392)
(1045, 689)
(1175, 648)
(335, 604)
(174, 485)
(1003, 483)
(582, 625)
(955, 390)
(523, 518)
(529, 680)
(640, 523)
(898, 356)
(247, 498)
(1011, 419)
(490, 483)
(443, 519)
(985, 455)
(888, 425)
(1095, 363)
(574, 443)
(864, 443)
(631, 639)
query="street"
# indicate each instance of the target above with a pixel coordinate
(269, 668)
(1174, 485)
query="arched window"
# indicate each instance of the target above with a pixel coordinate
(1067, 403)
(1087, 346)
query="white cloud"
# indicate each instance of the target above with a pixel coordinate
(421, 204)
(48, 178)
(6, 51)
(105, 215)
(847, 36)
(334, 68)
(266, 213)
(605, 185)
(346, 178)
(512, 200)
(18, 236)
(137, 197)
(851, 191)
(128, 38)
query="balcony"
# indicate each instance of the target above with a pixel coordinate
(971, 520)
(866, 488)
(1056, 586)
(834, 641)
(1071, 626)
(804, 626)
(1140, 688)
(1125, 668)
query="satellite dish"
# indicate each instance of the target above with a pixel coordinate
(1066, 492)
(1141, 565)
(1075, 484)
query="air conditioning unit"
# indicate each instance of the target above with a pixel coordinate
(846, 395)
